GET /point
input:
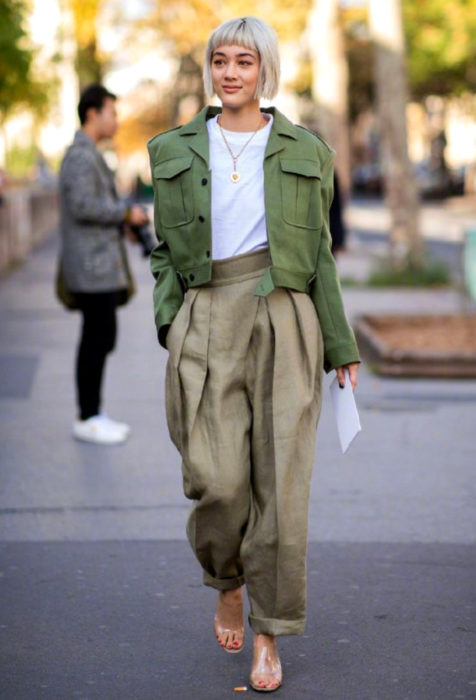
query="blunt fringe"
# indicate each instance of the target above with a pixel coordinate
(252, 33)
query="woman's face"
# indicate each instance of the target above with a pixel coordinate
(235, 73)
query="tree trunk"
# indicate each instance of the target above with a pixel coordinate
(187, 93)
(88, 65)
(330, 82)
(391, 82)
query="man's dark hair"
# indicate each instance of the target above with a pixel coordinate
(93, 97)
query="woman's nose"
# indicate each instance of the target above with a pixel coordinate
(230, 71)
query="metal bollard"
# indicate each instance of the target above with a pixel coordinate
(470, 262)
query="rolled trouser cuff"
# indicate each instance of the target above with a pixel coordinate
(276, 628)
(223, 584)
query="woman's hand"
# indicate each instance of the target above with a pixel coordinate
(352, 369)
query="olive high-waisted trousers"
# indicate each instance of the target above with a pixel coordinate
(243, 396)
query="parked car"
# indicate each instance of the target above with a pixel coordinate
(432, 183)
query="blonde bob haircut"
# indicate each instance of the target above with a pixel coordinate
(251, 33)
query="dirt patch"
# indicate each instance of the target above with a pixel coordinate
(444, 333)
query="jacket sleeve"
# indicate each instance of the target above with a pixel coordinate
(340, 347)
(168, 290)
(86, 205)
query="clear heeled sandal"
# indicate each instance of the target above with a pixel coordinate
(266, 673)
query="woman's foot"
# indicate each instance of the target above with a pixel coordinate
(228, 621)
(266, 674)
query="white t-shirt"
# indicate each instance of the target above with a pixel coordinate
(238, 212)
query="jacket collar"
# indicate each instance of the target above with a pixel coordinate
(197, 132)
(82, 139)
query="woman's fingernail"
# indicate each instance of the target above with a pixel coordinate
(341, 386)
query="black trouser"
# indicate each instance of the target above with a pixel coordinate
(98, 337)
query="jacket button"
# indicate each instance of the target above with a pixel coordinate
(201, 218)
(204, 181)
(191, 277)
(207, 253)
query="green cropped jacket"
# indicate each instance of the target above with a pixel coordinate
(298, 186)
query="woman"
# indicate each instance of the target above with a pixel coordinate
(248, 304)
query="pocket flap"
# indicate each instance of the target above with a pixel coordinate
(300, 166)
(172, 167)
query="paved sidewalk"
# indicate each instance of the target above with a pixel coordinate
(101, 598)
(442, 224)
(442, 220)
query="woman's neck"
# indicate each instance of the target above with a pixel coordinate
(249, 119)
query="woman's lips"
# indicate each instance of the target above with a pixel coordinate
(229, 88)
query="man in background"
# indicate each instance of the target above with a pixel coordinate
(336, 220)
(93, 266)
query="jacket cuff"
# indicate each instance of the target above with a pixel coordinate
(122, 209)
(340, 355)
(162, 334)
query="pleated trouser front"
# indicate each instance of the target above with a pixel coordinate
(243, 396)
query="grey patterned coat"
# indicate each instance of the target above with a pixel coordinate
(93, 257)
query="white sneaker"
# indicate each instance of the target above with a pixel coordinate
(115, 423)
(99, 431)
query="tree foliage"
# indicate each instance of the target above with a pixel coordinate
(441, 40)
(188, 23)
(441, 49)
(18, 87)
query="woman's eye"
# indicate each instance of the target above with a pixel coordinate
(218, 62)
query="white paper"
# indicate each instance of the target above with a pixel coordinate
(345, 409)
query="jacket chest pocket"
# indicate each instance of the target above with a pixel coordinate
(301, 192)
(174, 190)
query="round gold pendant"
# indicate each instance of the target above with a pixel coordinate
(235, 177)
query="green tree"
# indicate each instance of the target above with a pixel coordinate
(441, 45)
(440, 48)
(18, 87)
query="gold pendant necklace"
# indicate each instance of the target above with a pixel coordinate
(235, 175)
